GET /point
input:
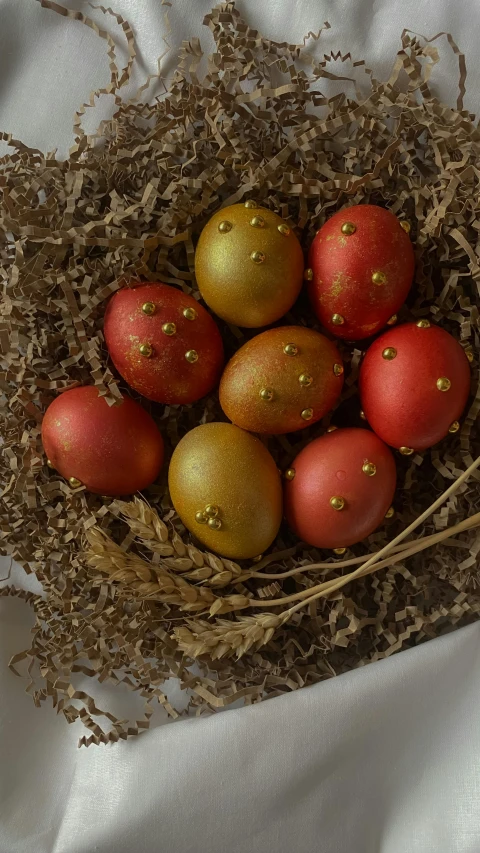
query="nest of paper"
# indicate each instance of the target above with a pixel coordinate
(129, 598)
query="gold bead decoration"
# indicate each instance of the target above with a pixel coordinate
(444, 384)
(200, 518)
(406, 451)
(393, 319)
(469, 354)
(308, 274)
(214, 523)
(390, 512)
(192, 356)
(290, 473)
(189, 313)
(348, 228)
(290, 349)
(266, 394)
(423, 324)
(211, 510)
(337, 503)
(454, 427)
(257, 222)
(379, 277)
(146, 350)
(305, 379)
(406, 226)
(339, 551)
(50, 463)
(169, 329)
(338, 369)
(332, 428)
(225, 226)
(307, 414)
(251, 204)
(369, 468)
(363, 415)
(338, 320)
(284, 229)
(389, 353)
(74, 482)
(148, 308)
(257, 257)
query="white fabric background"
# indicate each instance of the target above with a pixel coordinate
(384, 759)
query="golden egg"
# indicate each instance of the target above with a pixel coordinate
(249, 275)
(220, 466)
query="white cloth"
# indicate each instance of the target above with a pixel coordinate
(382, 759)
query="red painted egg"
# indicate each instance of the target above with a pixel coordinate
(362, 266)
(282, 380)
(414, 384)
(340, 487)
(163, 343)
(111, 450)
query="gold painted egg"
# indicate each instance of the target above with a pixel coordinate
(248, 265)
(226, 489)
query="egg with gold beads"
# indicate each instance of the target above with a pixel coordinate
(414, 384)
(282, 380)
(226, 488)
(164, 344)
(361, 269)
(111, 450)
(248, 265)
(340, 488)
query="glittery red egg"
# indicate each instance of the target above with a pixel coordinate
(414, 385)
(341, 487)
(282, 380)
(163, 343)
(362, 267)
(111, 450)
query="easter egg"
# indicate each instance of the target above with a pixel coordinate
(282, 380)
(248, 265)
(361, 266)
(164, 344)
(339, 488)
(111, 450)
(226, 489)
(414, 384)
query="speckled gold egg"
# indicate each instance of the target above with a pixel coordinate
(226, 488)
(249, 265)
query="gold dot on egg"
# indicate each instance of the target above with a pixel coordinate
(389, 353)
(74, 482)
(211, 510)
(192, 356)
(444, 384)
(251, 204)
(200, 517)
(348, 228)
(146, 350)
(454, 427)
(406, 451)
(337, 503)
(363, 415)
(284, 229)
(50, 463)
(169, 329)
(393, 319)
(305, 379)
(338, 369)
(338, 320)
(339, 551)
(225, 226)
(290, 349)
(189, 313)
(406, 226)
(369, 468)
(423, 324)
(148, 308)
(308, 274)
(214, 523)
(390, 512)
(332, 428)
(290, 473)
(307, 414)
(267, 394)
(257, 257)
(257, 222)
(379, 277)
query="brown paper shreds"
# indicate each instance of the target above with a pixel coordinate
(128, 597)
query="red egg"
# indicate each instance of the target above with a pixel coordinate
(111, 450)
(163, 343)
(340, 488)
(362, 267)
(414, 384)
